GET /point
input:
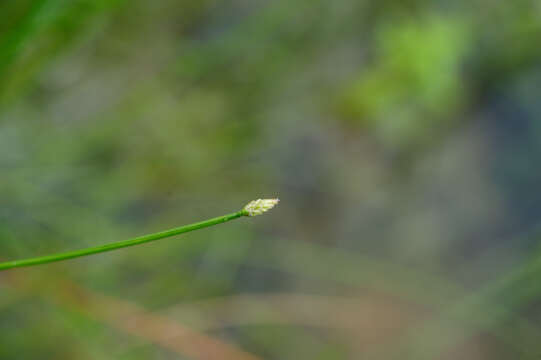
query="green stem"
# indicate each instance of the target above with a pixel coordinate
(120, 244)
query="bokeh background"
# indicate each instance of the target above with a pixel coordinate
(402, 137)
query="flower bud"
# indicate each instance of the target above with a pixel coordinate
(259, 206)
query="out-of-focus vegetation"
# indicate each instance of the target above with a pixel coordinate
(403, 138)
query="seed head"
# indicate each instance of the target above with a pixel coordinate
(259, 206)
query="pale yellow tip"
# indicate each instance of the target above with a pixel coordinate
(259, 206)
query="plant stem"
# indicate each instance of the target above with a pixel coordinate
(120, 244)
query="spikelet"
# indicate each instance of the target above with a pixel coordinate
(259, 206)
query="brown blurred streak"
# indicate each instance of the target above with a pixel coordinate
(367, 321)
(129, 318)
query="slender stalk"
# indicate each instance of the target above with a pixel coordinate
(121, 244)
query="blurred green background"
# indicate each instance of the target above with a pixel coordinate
(402, 137)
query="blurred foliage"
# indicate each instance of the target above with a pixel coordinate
(415, 84)
(402, 137)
